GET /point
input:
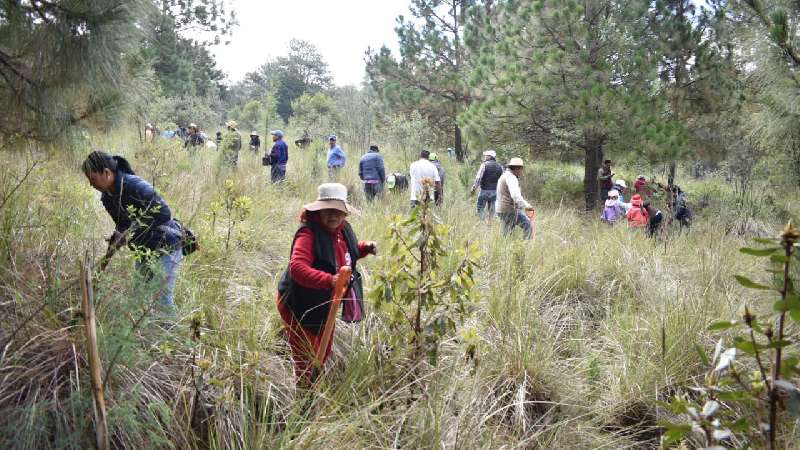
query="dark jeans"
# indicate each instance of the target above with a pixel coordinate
(486, 200)
(371, 190)
(510, 220)
(277, 173)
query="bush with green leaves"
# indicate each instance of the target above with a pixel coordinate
(234, 205)
(428, 282)
(744, 402)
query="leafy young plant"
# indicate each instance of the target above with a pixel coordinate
(741, 399)
(431, 296)
(235, 206)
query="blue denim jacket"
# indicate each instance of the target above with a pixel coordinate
(371, 167)
(137, 208)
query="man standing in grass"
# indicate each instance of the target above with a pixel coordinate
(420, 170)
(278, 157)
(231, 145)
(372, 172)
(605, 178)
(486, 178)
(511, 206)
(336, 157)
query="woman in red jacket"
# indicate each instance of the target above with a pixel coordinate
(324, 242)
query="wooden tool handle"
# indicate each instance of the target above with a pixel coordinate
(342, 284)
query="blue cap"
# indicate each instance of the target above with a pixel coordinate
(278, 133)
(332, 137)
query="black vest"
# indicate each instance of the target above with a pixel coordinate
(491, 173)
(310, 306)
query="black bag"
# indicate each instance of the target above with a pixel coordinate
(266, 160)
(189, 242)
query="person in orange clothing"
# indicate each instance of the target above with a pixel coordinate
(323, 243)
(637, 215)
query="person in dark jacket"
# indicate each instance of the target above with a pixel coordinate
(278, 157)
(606, 179)
(486, 178)
(655, 217)
(324, 242)
(372, 172)
(255, 141)
(195, 138)
(143, 219)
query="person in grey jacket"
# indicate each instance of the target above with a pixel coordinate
(371, 172)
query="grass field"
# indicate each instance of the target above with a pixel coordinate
(577, 333)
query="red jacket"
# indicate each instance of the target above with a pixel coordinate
(637, 216)
(302, 272)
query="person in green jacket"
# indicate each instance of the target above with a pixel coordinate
(231, 145)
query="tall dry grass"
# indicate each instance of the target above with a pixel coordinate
(578, 331)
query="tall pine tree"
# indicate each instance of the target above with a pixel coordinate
(575, 72)
(431, 74)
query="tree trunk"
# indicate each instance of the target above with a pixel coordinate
(458, 145)
(594, 156)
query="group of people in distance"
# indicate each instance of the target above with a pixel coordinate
(324, 241)
(640, 212)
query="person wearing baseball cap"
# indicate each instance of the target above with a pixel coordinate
(336, 157)
(323, 243)
(278, 157)
(488, 174)
(511, 207)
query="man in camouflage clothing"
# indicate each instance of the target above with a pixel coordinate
(231, 145)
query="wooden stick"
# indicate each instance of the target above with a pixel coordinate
(342, 283)
(95, 370)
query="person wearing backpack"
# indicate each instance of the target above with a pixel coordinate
(637, 215)
(323, 243)
(143, 220)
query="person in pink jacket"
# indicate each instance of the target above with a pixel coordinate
(637, 215)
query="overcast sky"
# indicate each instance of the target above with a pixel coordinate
(341, 30)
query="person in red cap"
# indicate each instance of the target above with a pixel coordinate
(323, 243)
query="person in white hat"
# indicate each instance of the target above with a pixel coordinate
(323, 243)
(511, 206)
(255, 141)
(486, 178)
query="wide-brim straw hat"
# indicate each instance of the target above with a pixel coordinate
(231, 123)
(331, 196)
(516, 162)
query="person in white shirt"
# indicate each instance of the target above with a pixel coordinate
(511, 207)
(420, 170)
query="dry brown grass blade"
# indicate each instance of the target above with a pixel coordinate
(95, 370)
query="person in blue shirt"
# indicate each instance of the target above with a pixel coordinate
(336, 157)
(278, 157)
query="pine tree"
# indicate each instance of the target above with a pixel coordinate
(431, 75)
(63, 63)
(576, 73)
